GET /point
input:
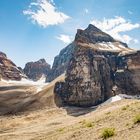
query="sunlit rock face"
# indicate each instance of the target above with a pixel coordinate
(92, 71)
(35, 70)
(8, 70)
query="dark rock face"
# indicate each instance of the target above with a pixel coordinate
(35, 70)
(127, 78)
(61, 62)
(93, 72)
(92, 35)
(8, 70)
(85, 83)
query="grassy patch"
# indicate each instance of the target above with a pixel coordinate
(108, 132)
(108, 113)
(61, 129)
(87, 123)
(125, 107)
(137, 119)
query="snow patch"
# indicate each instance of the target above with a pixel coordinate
(109, 46)
(38, 84)
(113, 99)
(121, 46)
(120, 70)
(120, 97)
(113, 46)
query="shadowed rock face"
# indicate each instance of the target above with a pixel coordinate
(92, 71)
(92, 35)
(61, 62)
(8, 70)
(35, 70)
(85, 83)
(127, 78)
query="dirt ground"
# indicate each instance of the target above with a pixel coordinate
(73, 123)
(28, 115)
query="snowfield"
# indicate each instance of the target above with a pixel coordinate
(38, 84)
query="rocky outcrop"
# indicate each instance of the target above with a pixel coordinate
(85, 83)
(127, 77)
(94, 35)
(61, 62)
(91, 35)
(35, 70)
(93, 70)
(8, 70)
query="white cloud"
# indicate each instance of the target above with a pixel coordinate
(117, 27)
(64, 38)
(136, 41)
(45, 13)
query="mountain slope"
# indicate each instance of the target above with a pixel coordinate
(8, 70)
(21, 97)
(62, 124)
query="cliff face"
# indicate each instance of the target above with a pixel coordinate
(8, 70)
(86, 77)
(61, 62)
(95, 69)
(127, 77)
(91, 36)
(35, 70)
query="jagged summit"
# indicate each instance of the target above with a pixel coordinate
(35, 70)
(3, 55)
(93, 28)
(9, 70)
(91, 37)
(97, 39)
(42, 60)
(92, 34)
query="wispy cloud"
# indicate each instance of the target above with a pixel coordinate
(117, 27)
(45, 13)
(65, 38)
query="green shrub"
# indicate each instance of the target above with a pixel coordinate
(108, 132)
(125, 107)
(87, 123)
(137, 119)
(61, 129)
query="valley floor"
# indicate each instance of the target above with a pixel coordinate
(74, 123)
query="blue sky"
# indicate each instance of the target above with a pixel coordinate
(34, 29)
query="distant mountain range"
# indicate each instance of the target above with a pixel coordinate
(96, 67)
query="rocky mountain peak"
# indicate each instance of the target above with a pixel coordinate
(42, 61)
(3, 55)
(93, 28)
(35, 70)
(92, 35)
(8, 70)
